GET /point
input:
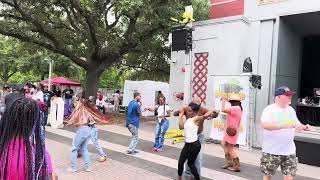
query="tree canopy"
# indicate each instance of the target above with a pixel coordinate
(94, 34)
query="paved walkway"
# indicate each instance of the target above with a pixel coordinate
(147, 164)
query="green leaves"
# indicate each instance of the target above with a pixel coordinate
(95, 34)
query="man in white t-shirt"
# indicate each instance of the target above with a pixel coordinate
(279, 122)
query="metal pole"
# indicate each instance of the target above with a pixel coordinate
(190, 75)
(50, 74)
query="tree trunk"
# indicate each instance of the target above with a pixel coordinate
(92, 80)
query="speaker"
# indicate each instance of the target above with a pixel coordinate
(256, 81)
(247, 65)
(181, 38)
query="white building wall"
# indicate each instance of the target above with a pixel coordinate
(223, 39)
(254, 11)
(272, 46)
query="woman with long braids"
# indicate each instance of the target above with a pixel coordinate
(231, 133)
(81, 118)
(22, 153)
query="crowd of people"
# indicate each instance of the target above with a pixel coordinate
(279, 122)
(24, 115)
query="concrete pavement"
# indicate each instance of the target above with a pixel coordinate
(147, 164)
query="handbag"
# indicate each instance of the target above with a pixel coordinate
(232, 131)
(156, 111)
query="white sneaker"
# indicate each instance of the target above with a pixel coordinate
(102, 159)
(71, 170)
(88, 170)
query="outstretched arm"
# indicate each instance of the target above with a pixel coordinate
(223, 106)
(151, 109)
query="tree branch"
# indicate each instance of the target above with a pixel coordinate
(131, 27)
(10, 75)
(48, 46)
(90, 23)
(70, 19)
(36, 23)
(13, 17)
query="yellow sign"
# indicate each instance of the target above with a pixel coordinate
(187, 16)
(220, 94)
(264, 2)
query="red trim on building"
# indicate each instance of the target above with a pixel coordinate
(226, 8)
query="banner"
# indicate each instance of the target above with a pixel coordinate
(224, 86)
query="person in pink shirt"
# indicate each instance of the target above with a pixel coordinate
(234, 113)
(22, 154)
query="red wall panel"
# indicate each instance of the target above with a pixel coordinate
(225, 8)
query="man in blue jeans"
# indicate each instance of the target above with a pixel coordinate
(132, 121)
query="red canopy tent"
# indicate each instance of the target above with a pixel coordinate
(61, 81)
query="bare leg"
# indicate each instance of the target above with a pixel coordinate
(232, 151)
(266, 177)
(225, 148)
(287, 177)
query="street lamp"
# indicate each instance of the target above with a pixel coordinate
(50, 72)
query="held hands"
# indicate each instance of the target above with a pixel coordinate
(302, 127)
(144, 109)
(287, 126)
(307, 127)
(298, 127)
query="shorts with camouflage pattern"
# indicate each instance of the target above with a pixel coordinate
(270, 163)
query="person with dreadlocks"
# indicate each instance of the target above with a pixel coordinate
(22, 153)
(82, 118)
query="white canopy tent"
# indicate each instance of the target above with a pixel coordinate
(148, 91)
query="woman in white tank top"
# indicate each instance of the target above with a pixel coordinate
(192, 146)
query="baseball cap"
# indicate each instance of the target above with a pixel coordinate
(283, 90)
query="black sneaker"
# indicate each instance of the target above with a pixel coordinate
(130, 152)
(134, 151)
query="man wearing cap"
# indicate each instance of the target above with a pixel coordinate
(279, 121)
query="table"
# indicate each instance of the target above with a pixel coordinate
(308, 147)
(309, 114)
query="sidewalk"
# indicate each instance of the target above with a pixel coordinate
(100, 171)
(148, 165)
(248, 157)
